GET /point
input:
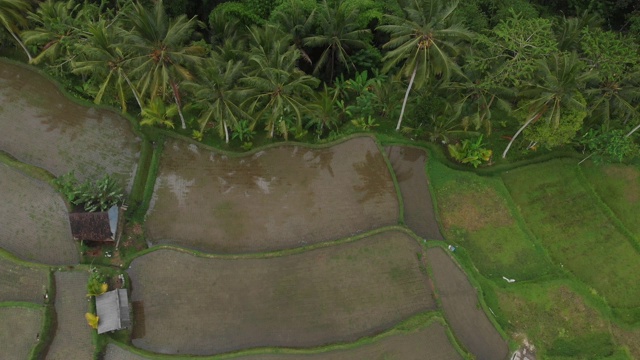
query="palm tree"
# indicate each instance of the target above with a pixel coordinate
(558, 87)
(278, 88)
(476, 96)
(11, 17)
(217, 93)
(104, 58)
(157, 113)
(57, 30)
(423, 43)
(615, 98)
(296, 17)
(339, 35)
(161, 56)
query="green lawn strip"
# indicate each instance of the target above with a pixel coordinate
(410, 325)
(475, 213)
(558, 318)
(148, 180)
(566, 218)
(27, 169)
(617, 186)
(396, 185)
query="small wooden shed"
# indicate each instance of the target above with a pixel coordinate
(95, 226)
(112, 309)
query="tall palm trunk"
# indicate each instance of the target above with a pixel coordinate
(536, 116)
(21, 45)
(633, 130)
(174, 89)
(406, 96)
(226, 131)
(133, 90)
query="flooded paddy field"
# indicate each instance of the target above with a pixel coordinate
(22, 283)
(195, 305)
(72, 339)
(61, 135)
(282, 197)
(34, 223)
(19, 331)
(409, 166)
(464, 314)
(430, 343)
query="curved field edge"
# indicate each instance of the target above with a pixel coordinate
(478, 215)
(329, 295)
(415, 323)
(273, 254)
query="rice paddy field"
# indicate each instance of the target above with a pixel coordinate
(199, 305)
(215, 203)
(61, 135)
(475, 213)
(409, 167)
(34, 222)
(19, 331)
(72, 336)
(296, 252)
(578, 233)
(462, 310)
(20, 282)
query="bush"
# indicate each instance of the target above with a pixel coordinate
(92, 196)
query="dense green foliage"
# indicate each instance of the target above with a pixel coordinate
(92, 196)
(463, 67)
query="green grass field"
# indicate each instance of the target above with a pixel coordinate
(577, 232)
(475, 214)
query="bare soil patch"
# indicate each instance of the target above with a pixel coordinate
(22, 283)
(419, 214)
(19, 331)
(34, 223)
(278, 198)
(61, 135)
(196, 305)
(72, 339)
(462, 309)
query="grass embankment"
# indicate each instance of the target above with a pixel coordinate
(618, 186)
(579, 235)
(425, 335)
(475, 214)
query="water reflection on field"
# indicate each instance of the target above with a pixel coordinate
(278, 198)
(41, 127)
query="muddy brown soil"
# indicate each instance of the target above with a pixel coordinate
(41, 127)
(284, 197)
(464, 314)
(34, 222)
(72, 338)
(19, 331)
(430, 343)
(201, 306)
(409, 166)
(22, 283)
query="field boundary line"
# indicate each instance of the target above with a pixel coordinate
(271, 254)
(608, 212)
(394, 178)
(410, 325)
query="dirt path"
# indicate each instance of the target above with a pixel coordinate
(459, 299)
(419, 214)
(72, 338)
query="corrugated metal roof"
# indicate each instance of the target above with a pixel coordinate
(113, 310)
